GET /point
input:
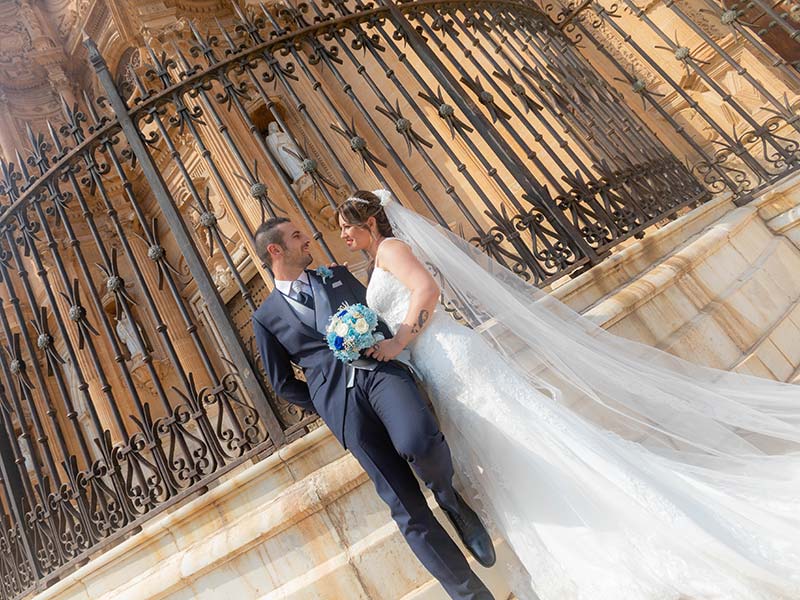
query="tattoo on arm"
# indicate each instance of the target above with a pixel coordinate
(422, 318)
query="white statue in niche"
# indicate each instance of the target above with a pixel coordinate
(127, 335)
(73, 389)
(25, 452)
(285, 151)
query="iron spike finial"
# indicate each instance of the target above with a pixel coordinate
(31, 135)
(90, 106)
(184, 63)
(239, 12)
(22, 166)
(196, 32)
(56, 141)
(225, 33)
(65, 107)
(152, 54)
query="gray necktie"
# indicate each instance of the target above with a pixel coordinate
(300, 295)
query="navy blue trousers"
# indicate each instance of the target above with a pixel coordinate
(390, 430)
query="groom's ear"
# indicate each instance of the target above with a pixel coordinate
(274, 250)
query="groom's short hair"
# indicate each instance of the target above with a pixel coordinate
(269, 233)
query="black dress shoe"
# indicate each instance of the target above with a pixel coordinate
(472, 533)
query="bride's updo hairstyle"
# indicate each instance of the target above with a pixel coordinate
(360, 206)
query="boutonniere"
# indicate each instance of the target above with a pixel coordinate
(324, 272)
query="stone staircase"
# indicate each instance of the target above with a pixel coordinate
(726, 295)
(720, 286)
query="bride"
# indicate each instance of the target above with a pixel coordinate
(613, 470)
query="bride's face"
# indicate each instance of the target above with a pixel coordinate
(356, 237)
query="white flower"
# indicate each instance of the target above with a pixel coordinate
(342, 329)
(362, 326)
(385, 196)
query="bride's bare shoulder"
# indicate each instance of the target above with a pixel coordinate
(392, 253)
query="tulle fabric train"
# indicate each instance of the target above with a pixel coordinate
(614, 470)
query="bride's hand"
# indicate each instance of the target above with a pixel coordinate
(385, 350)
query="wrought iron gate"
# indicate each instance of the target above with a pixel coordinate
(723, 76)
(127, 264)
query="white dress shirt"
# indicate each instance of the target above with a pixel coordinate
(304, 313)
(285, 287)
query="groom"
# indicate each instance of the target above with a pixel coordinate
(374, 409)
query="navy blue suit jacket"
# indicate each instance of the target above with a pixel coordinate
(283, 338)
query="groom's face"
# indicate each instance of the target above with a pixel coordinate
(297, 247)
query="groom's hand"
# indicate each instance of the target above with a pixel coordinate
(385, 350)
(334, 264)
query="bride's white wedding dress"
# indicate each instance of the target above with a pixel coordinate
(590, 514)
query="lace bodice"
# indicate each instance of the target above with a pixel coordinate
(388, 297)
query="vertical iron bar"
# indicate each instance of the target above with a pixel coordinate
(725, 96)
(12, 484)
(733, 144)
(516, 241)
(740, 70)
(191, 328)
(361, 69)
(496, 142)
(758, 43)
(195, 263)
(639, 87)
(317, 86)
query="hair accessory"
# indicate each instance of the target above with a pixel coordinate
(385, 196)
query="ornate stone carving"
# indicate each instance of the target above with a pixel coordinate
(68, 21)
(629, 59)
(222, 277)
(15, 41)
(126, 67)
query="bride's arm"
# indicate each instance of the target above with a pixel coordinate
(397, 258)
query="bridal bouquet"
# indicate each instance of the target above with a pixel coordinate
(350, 330)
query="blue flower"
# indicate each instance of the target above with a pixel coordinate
(346, 335)
(324, 272)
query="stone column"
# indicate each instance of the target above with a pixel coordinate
(60, 83)
(8, 139)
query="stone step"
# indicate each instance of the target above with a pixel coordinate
(734, 323)
(304, 524)
(719, 295)
(494, 579)
(433, 591)
(738, 227)
(778, 347)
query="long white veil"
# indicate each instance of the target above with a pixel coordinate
(717, 423)
(724, 446)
